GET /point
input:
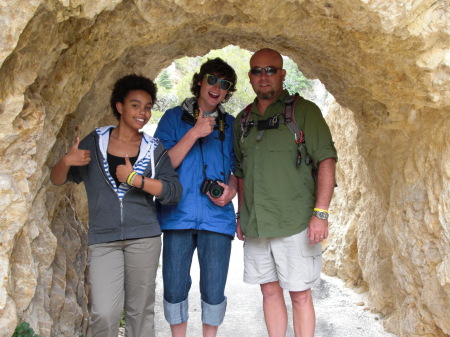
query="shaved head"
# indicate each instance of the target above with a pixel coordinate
(267, 86)
(267, 51)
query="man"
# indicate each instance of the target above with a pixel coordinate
(284, 194)
(199, 137)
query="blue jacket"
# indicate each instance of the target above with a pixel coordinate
(195, 210)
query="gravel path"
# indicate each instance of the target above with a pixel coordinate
(340, 312)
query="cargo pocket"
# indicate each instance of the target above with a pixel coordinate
(312, 255)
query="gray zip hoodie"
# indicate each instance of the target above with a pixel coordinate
(124, 212)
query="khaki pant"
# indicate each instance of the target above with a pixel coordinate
(122, 277)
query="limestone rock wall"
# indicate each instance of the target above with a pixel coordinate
(386, 63)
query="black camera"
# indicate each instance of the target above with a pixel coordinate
(212, 186)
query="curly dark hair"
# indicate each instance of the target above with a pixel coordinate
(216, 67)
(128, 83)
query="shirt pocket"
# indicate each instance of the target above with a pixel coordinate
(281, 139)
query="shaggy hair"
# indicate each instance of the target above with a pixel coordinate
(219, 68)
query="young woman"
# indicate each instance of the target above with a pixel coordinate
(122, 170)
(199, 137)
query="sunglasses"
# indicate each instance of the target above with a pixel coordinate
(257, 71)
(212, 80)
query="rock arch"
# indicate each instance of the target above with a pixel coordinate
(386, 62)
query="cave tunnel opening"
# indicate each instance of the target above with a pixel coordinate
(388, 73)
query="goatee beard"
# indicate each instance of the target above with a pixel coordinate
(267, 95)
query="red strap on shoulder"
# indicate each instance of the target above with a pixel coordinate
(289, 118)
(246, 113)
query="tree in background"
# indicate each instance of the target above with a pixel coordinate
(295, 81)
(164, 80)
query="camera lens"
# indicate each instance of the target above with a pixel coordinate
(215, 190)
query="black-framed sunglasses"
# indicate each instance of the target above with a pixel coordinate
(257, 71)
(212, 80)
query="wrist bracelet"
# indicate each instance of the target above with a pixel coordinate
(131, 175)
(238, 215)
(320, 210)
(142, 183)
(130, 178)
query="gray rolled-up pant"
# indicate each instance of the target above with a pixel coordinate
(122, 277)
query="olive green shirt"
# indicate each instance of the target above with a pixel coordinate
(279, 196)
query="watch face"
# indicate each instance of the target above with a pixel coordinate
(321, 215)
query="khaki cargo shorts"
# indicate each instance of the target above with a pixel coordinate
(291, 260)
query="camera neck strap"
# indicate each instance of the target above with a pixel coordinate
(221, 124)
(205, 166)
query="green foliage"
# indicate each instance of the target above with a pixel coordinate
(122, 320)
(295, 81)
(24, 330)
(164, 81)
(185, 67)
